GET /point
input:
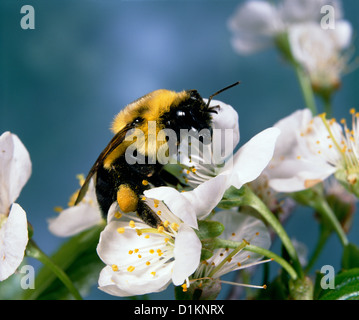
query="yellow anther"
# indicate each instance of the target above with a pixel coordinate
(147, 236)
(139, 256)
(130, 251)
(160, 229)
(121, 230)
(58, 209)
(174, 226)
(159, 212)
(184, 287)
(118, 215)
(130, 268)
(166, 223)
(352, 111)
(145, 182)
(136, 250)
(143, 198)
(153, 273)
(148, 263)
(152, 251)
(132, 224)
(114, 267)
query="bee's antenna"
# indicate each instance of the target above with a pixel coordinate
(220, 91)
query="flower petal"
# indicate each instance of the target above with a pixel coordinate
(187, 254)
(204, 198)
(125, 284)
(15, 169)
(297, 175)
(251, 159)
(74, 220)
(239, 226)
(177, 202)
(129, 252)
(225, 118)
(254, 25)
(13, 240)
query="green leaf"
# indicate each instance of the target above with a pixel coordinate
(346, 287)
(78, 259)
(350, 257)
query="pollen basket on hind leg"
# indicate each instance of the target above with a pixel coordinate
(127, 198)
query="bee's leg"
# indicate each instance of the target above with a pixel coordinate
(148, 215)
(127, 199)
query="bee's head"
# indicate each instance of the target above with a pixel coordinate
(189, 113)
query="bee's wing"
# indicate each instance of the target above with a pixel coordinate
(114, 143)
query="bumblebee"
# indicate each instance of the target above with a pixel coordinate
(116, 179)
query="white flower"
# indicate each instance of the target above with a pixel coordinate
(15, 170)
(253, 26)
(309, 150)
(210, 174)
(141, 259)
(256, 24)
(245, 166)
(76, 219)
(319, 51)
(243, 229)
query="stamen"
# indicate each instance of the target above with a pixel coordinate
(130, 268)
(121, 230)
(118, 215)
(174, 226)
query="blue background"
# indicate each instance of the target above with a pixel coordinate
(62, 83)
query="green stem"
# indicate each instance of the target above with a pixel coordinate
(269, 254)
(315, 199)
(326, 211)
(34, 251)
(323, 237)
(306, 88)
(250, 199)
(327, 101)
(237, 246)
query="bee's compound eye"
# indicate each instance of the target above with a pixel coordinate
(137, 120)
(181, 113)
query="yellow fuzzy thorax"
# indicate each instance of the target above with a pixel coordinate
(150, 107)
